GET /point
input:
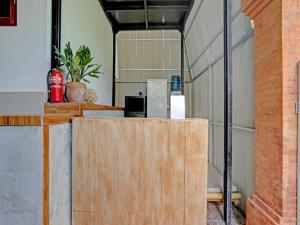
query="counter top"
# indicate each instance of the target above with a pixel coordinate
(58, 113)
(76, 108)
(36, 120)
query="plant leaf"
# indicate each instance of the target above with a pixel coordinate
(78, 66)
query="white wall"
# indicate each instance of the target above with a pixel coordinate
(84, 22)
(25, 49)
(204, 40)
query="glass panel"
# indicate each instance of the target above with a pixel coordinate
(4, 8)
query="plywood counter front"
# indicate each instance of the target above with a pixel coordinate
(139, 171)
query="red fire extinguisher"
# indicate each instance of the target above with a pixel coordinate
(55, 86)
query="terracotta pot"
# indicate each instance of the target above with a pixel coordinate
(76, 92)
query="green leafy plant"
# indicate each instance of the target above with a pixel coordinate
(79, 66)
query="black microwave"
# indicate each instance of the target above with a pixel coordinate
(136, 106)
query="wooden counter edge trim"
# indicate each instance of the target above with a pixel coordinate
(100, 107)
(59, 108)
(20, 120)
(56, 119)
(46, 176)
(77, 108)
(35, 120)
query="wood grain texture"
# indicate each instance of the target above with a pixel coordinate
(54, 118)
(36, 120)
(20, 120)
(76, 108)
(140, 171)
(4, 120)
(154, 179)
(100, 107)
(73, 108)
(195, 168)
(83, 173)
(127, 177)
(175, 172)
(218, 197)
(106, 190)
(83, 218)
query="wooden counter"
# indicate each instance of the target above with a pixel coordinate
(36, 120)
(146, 171)
(20, 120)
(58, 113)
(76, 108)
(47, 139)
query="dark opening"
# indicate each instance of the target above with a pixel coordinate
(4, 8)
(135, 104)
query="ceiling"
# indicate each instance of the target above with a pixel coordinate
(147, 14)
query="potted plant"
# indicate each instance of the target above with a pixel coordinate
(80, 67)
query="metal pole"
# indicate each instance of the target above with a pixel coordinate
(146, 14)
(114, 70)
(56, 31)
(182, 62)
(227, 112)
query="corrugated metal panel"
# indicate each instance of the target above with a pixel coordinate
(243, 159)
(201, 93)
(204, 41)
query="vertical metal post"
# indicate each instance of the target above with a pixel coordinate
(227, 112)
(182, 62)
(114, 70)
(56, 31)
(146, 14)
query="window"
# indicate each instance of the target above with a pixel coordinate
(8, 12)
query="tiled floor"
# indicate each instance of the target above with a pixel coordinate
(214, 216)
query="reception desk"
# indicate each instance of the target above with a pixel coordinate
(142, 162)
(139, 171)
(35, 164)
